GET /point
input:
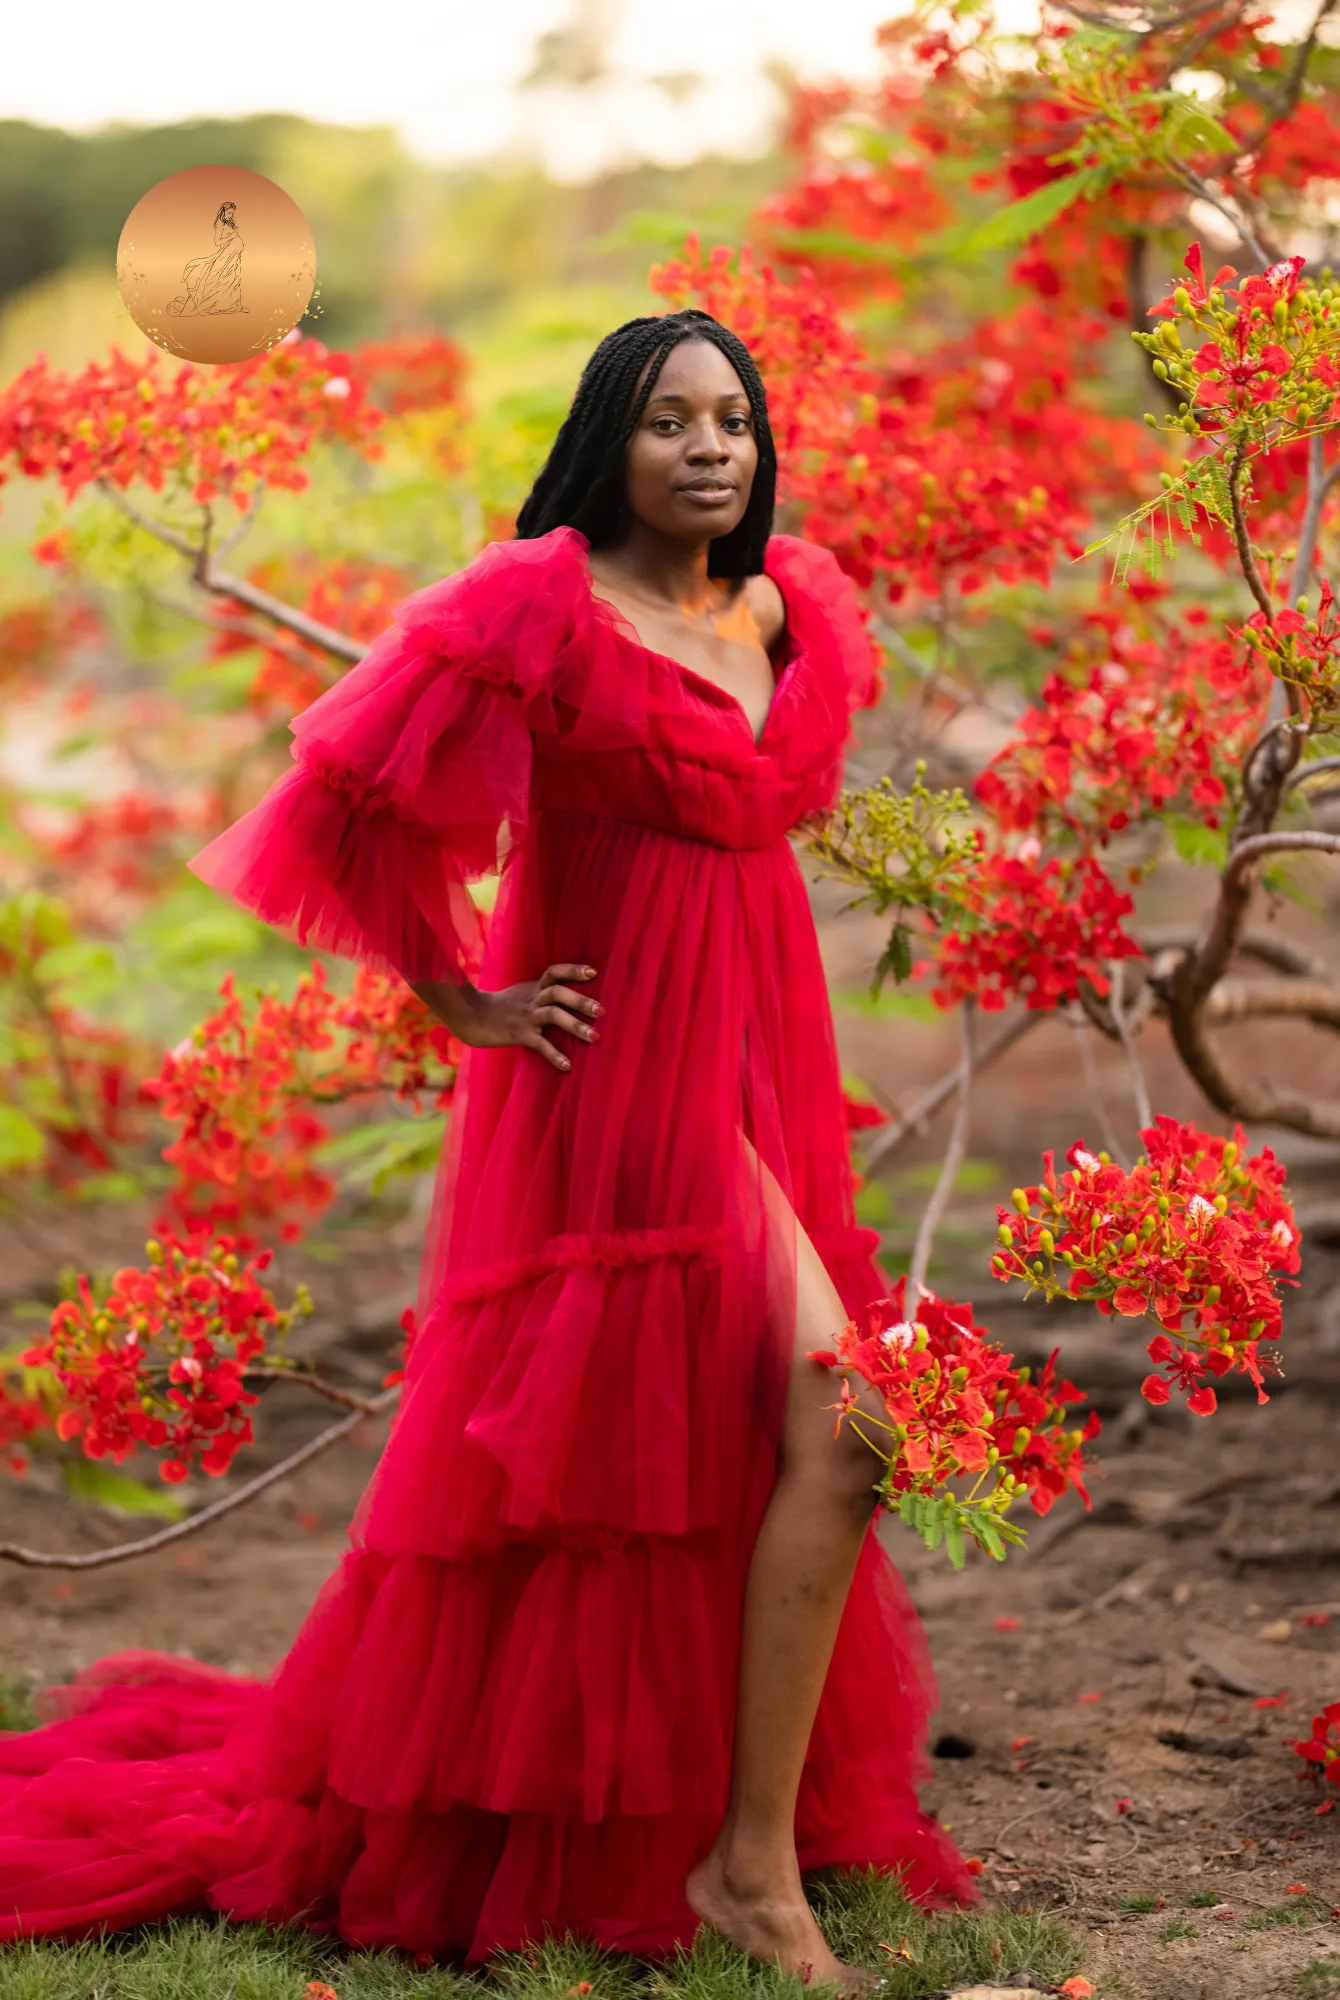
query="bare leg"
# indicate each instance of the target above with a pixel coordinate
(749, 1885)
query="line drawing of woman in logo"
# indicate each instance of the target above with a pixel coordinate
(214, 282)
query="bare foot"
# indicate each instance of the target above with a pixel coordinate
(766, 1915)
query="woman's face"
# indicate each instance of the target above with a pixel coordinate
(690, 463)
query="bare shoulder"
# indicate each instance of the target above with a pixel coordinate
(768, 605)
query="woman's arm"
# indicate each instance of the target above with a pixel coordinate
(515, 1017)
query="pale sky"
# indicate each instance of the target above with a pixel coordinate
(444, 71)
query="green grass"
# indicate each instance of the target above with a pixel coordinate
(1201, 1899)
(1179, 1928)
(16, 1703)
(1299, 1912)
(1140, 1906)
(1319, 1980)
(198, 1959)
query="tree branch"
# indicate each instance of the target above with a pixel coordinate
(1242, 540)
(1188, 988)
(1281, 999)
(949, 1171)
(894, 1137)
(1079, 1021)
(1235, 220)
(348, 1399)
(150, 1544)
(1144, 1114)
(1313, 770)
(223, 584)
(1281, 952)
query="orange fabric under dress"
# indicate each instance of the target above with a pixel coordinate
(511, 1707)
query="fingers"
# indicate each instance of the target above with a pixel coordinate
(546, 1049)
(563, 996)
(558, 972)
(556, 1005)
(559, 1017)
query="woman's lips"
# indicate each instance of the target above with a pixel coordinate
(708, 496)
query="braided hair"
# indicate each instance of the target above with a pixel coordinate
(582, 483)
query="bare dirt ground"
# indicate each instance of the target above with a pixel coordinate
(1113, 1702)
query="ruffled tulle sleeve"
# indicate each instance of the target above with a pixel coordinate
(411, 776)
(826, 619)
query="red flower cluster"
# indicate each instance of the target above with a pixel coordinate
(1266, 346)
(77, 1083)
(1157, 722)
(1302, 646)
(217, 431)
(1322, 1747)
(957, 1407)
(21, 1416)
(40, 635)
(412, 371)
(160, 1361)
(1033, 928)
(243, 1090)
(1195, 1238)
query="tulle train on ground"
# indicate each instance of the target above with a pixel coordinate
(511, 1708)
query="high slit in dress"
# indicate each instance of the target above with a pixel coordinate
(510, 1709)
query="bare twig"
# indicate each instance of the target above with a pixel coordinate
(1079, 1022)
(150, 1544)
(1144, 1114)
(245, 523)
(953, 1161)
(889, 1141)
(1242, 540)
(1316, 769)
(246, 628)
(1235, 218)
(1319, 483)
(348, 1399)
(223, 584)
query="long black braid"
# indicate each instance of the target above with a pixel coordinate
(582, 483)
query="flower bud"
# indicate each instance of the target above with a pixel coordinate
(1165, 1206)
(1182, 299)
(1130, 1242)
(1004, 1236)
(1020, 1200)
(1048, 1242)
(1212, 1295)
(153, 1250)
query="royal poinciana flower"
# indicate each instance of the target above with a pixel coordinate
(1197, 1239)
(1302, 646)
(244, 1089)
(160, 1361)
(1031, 928)
(1265, 364)
(1155, 723)
(1322, 1748)
(216, 431)
(956, 1409)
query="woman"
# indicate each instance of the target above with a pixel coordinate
(614, 1648)
(214, 282)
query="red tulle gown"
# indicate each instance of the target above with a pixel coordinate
(511, 1707)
